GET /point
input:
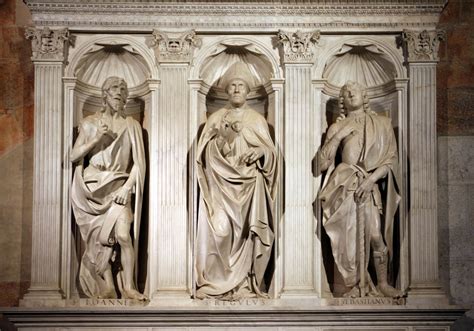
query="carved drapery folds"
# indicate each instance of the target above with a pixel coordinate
(298, 47)
(422, 45)
(175, 47)
(49, 44)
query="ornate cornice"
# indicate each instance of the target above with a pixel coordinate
(299, 47)
(48, 44)
(337, 8)
(251, 15)
(422, 46)
(174, 47)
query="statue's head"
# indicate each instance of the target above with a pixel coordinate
(353, 96)
(237, 81)
(115, 93)
(237, 90)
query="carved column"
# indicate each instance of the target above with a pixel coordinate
(49, 56)
(421, 48)
(171, 245)
(299, 240)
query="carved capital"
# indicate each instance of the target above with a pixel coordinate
(299, 47)
(423, 45)
(175, 47)
(49, 44)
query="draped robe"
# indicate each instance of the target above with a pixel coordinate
(93, 189)
(339, 206)
(235, 222)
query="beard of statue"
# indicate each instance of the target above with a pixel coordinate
(115, 101)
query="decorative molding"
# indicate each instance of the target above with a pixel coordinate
(298, 47)
(341, 9)
(262, 15)
(422, 45)
(230, 316)
(175, 47)
(49, 44)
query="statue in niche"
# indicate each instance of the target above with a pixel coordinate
(351, 197)
(237, 174)
(110, 160)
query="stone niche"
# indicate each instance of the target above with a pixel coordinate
(173, 55)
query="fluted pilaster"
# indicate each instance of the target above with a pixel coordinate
(171, 245)
(299, 240)
(421, 49)
(49, 53)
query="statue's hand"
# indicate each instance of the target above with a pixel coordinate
(252, 155)
(122, 195)
(364, 190)
(102, 130)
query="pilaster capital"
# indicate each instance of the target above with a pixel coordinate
(49, 44)
(172, 47)
(422, 46)
(299, 47)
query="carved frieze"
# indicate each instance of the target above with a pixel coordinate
(175, 47)
(48, 44)
(423, 45)
(298, 47)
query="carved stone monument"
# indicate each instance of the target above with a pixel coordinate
(110, 167)
(237, 172)
(233, 208)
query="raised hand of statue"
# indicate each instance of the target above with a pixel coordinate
(102, 130)
(364, 190)
(122, 195)
(252, 155)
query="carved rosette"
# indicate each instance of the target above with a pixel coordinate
(173, 47)
(299, 47)
(422, 45)
(49, 44)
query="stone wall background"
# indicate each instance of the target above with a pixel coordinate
(16, 151)
(455, 153)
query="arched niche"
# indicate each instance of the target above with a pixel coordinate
(378, 65)
(221, 60)
(90, 63)
(213, 60)
(207, 95)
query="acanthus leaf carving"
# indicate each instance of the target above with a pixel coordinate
(298, 47)
(49, 44)
(173, 47)
(423, 45)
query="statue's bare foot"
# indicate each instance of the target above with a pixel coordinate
(353, 293)
(390, 291)
(134, 295)
(108, 294)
